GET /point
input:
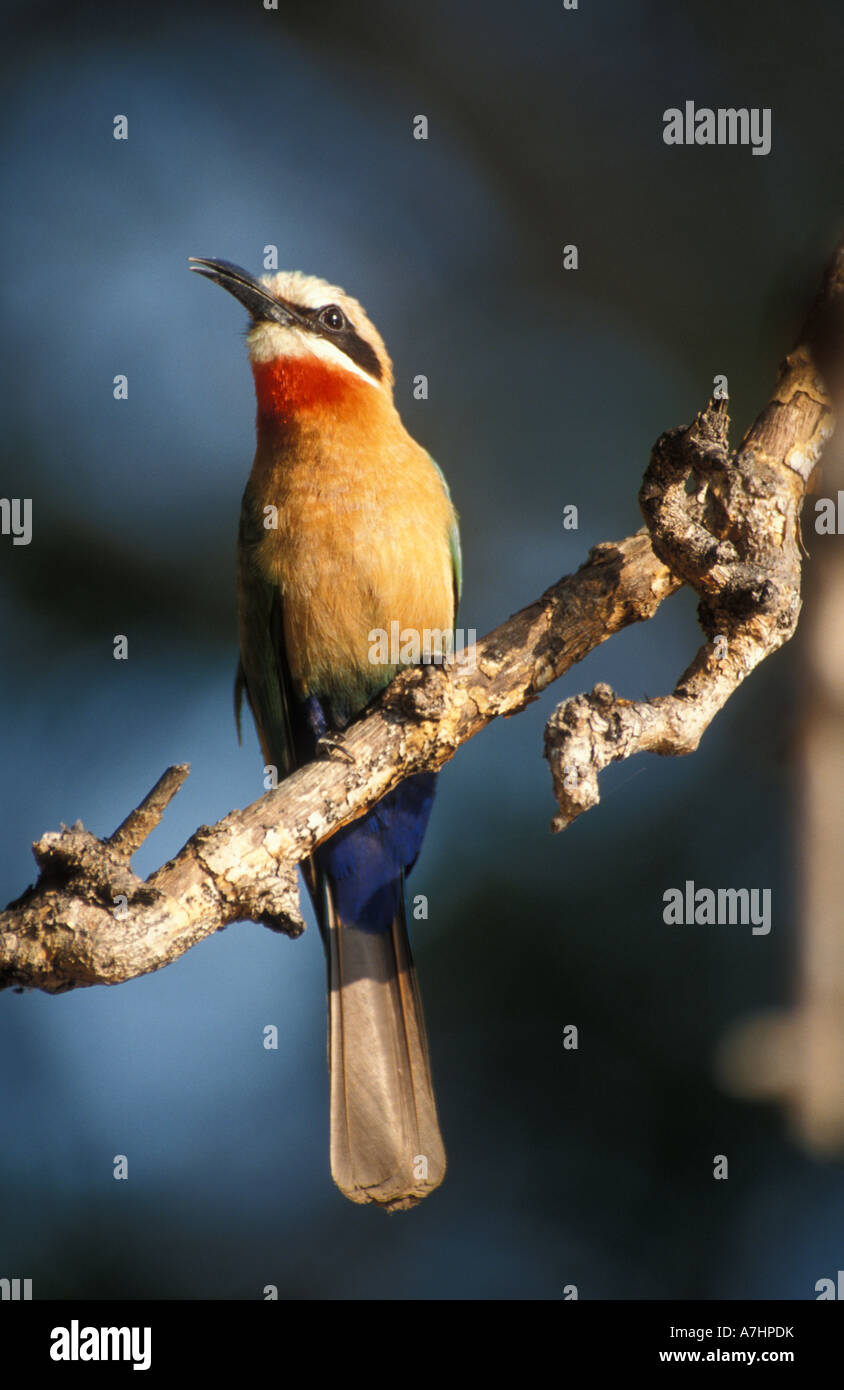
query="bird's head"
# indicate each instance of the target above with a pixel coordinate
(310, 343)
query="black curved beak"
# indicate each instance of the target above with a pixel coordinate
(255, 298)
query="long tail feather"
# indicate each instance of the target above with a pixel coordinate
(386, 1145)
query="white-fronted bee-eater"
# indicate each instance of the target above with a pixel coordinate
(362, 536)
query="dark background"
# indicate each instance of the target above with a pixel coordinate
(547, 387)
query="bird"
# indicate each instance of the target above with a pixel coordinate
(346, 527)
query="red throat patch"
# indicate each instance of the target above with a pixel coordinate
(288, 386)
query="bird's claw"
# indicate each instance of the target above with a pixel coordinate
(333, 744)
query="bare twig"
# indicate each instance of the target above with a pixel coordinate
(141, 822)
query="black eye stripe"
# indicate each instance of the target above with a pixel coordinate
(346, 339)
(358, 350)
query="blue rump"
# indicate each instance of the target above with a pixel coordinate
(367, 860)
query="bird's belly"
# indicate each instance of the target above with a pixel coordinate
(348, 587)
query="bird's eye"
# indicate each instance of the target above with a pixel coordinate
(333, 318)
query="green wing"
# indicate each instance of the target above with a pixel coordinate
(456, 562)
(262, 673)
(453, 543)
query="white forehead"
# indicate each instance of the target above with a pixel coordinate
(307, 290)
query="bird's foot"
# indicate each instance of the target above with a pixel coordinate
(334, 744)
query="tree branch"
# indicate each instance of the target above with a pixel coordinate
(732, 535)
(729, 526)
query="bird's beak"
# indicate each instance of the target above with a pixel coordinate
(252, 294)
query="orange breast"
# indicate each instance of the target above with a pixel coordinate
(363, 533)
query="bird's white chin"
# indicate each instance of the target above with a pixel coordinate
(269, 342)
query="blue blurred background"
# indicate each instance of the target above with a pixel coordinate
(547, 387)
